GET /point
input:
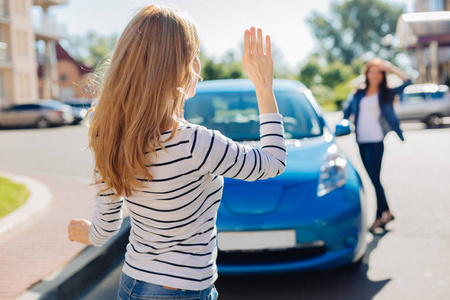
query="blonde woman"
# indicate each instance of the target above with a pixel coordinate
(169, 172)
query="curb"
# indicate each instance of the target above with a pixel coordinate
(40, 197)
(72, 279)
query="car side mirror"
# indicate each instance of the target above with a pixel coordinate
(343, 128)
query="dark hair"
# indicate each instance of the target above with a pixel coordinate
(382, 88)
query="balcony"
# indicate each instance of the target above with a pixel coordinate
(5, 59)
(4, 15)
(49, 30)
(47, 3)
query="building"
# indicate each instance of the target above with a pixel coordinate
(18, 66)
(426, 35)
(73, 76)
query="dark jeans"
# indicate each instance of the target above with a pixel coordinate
(372, 155)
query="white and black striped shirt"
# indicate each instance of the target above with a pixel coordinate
(173, 220)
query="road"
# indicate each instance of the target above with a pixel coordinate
(410, 261)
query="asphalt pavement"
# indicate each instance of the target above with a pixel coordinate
(409, 261)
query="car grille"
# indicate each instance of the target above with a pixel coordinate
(266, 256)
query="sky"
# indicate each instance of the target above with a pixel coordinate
(221, 23)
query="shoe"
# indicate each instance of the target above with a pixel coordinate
(379, 223)
(387, 217)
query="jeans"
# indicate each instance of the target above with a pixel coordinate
(131, 289)
(372, 155)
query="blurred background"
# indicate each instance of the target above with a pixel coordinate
(322, 43)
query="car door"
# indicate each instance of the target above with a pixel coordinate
(412, 106)
(11, 116)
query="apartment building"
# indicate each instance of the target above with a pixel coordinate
(426, 35)
(18, 66)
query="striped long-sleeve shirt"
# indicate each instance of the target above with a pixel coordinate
(173, 219)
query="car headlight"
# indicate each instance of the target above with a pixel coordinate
(332, 171)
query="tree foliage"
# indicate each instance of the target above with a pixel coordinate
(91, 48)
(354, 28)
(228, 67)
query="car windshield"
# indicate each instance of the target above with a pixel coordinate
(236, 114)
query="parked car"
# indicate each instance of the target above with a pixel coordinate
(428, 103)
(79, 108)
(312, 216)
(42, 114)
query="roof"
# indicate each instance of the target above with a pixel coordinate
(62, 54)
(423, 27)
(425, 88)
(244, 85)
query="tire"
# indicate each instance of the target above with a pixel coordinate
(42, 123)
(434, 121)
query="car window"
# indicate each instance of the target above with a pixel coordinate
(236, 114)
(25, 107)
(80, 105)
(436, 95)
(413, 98)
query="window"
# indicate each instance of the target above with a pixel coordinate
(436, 5)
(236, 114)
(3, 9)
(25, 107)
(413, 98)
(2, 86)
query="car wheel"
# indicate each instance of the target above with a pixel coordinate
(434, 121)
(42, 123)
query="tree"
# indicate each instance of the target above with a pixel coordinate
(310, 71)
(228, 67)
(355, 27)
(91, 48)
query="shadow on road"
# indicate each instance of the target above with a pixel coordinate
(350, 282)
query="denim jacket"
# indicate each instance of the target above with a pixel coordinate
(388, 119)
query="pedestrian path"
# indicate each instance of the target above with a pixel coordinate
(38, 246)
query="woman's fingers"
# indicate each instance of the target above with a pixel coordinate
(253, 40)
(268, 46)
(247, 46)
(260, 42)
(78, 230)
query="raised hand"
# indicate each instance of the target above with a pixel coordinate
(78, 231)
(257, 59)
(258, 65)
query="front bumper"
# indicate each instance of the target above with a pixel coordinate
(335, 239)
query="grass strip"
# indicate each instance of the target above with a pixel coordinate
(12, 196)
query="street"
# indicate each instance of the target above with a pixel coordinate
(410, 261)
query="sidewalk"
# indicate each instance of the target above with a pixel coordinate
(39, 246)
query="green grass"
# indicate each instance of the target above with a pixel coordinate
(12, 195)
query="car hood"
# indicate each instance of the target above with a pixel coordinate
(302, 168)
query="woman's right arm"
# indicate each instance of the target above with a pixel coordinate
(219, 155)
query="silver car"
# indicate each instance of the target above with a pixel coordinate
(428, 103)
(43, 114)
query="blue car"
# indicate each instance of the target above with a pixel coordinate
(313, 215)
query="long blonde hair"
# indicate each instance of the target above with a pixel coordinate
(142, 93)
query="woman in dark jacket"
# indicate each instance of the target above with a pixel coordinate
(374, 117)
